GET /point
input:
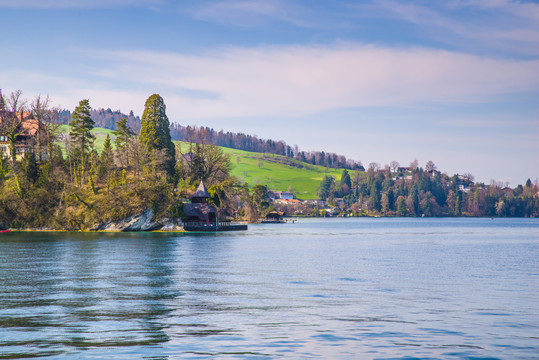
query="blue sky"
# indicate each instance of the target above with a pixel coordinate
(455, 82)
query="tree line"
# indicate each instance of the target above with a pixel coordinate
(426, 192)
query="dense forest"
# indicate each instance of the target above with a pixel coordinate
(414, 191)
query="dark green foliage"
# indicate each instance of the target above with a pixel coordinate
(81, 127)
(4, 167)
(326, 187)
(346, 182)
(106, 162)
(155, 132)
(29, 167)
(401, 207)
(82, 139)
(374, 203)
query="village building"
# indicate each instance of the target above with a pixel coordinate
(27, 128)
(280, 195)
(287, 201)
(199, 211)
(201, 216)
(403, 173)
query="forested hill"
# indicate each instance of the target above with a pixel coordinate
(104, 118)
(107, 119)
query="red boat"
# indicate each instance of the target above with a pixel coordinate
(4, 231)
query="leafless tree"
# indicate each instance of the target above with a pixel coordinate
(374, 166)
(48, 128)
(394, 165)
(469, 177)
(429, 166)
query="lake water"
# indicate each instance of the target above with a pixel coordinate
(330, 289)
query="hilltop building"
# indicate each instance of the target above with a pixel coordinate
(25, 125)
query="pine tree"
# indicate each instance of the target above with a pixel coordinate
(29, 167)
(106, 161)
(82, 138)
(155, 131)
(327, 187)
(345, 179)
(401, 206)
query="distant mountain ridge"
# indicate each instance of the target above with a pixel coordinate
(107, 119)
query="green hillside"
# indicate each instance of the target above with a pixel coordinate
(271, 170)
(100, 135)
(277, 172)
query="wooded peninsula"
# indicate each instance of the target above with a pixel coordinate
(56, 177)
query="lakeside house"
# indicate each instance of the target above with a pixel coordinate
(273, 217)
(281, 195)
(199, 211)
(201, 216)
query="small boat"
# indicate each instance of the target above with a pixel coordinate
(5, 231)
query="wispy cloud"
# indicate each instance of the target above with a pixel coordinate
(299, 80)
(504, 26)
(251, 13)
(68, 4)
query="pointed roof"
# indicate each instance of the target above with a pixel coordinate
(201, 191)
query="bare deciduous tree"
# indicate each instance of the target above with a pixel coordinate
(394, 165)
(48, 128)
(430, 166)
(12, 118)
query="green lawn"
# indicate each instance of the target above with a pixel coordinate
(257, 168)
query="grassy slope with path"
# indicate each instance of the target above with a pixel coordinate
(277, 172)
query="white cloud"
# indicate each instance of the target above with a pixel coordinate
(502, 26)
(299, 80)
(285, 81)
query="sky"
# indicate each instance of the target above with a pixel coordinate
(455, 82)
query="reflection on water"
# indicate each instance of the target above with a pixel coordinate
(350, 288)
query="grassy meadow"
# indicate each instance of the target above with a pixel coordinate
(277, 172)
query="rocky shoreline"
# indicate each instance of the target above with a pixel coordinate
(141, 222)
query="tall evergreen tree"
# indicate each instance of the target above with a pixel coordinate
(345, 179)
(401, 207)
(155, 131)
(82, 138)
(29, 167)
(327, 187)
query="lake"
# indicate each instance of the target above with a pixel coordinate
(369, 288)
